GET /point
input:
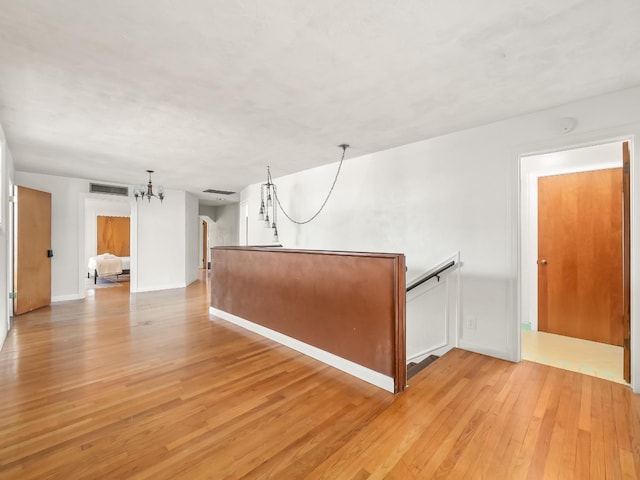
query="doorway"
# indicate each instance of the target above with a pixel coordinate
(108, 232)
(555, 293)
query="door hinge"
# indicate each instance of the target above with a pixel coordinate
(625, 168)
(13, 295)
(12, 199)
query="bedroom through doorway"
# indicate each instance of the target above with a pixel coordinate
(107, 243)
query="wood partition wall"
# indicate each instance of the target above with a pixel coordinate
(344, 305)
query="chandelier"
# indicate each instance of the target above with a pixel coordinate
(141, 191)
(270, 203)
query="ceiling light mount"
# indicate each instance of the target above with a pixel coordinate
(141, 191)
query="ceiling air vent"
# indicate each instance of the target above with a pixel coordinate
(108, 189)
(219, 192)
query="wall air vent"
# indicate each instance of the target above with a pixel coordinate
(219, 192)
(108, 189)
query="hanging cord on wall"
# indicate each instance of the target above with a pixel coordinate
(344, 147)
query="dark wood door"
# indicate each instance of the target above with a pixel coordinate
(626, 267)
(33, 265)
(580, 255)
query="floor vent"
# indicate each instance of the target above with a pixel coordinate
(108, 189)
(219, 192)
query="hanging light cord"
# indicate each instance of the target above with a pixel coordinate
(275, 191)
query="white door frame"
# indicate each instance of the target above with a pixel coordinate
(625, 133)
(533, 167)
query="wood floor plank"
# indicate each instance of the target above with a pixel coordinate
(148, 386)
(528, 424)
(634, 424)
(570, 426)
(597, 450)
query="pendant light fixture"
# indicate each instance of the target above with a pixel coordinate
(270, 202)
(141, 191)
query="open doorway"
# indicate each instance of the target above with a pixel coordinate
(206, 241)
(107, 243)
(572, 260)
(205, 245)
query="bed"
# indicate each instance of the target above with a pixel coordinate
(106, 265)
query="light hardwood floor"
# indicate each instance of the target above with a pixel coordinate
(149, 387)
(591, 358)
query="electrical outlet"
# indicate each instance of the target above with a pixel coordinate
(471, 322)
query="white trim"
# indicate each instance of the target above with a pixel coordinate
(347, 366)
(11, 242)
(425, 288)
(82, 232)
(635, 262)
(169, 286)
(427, 352)
(626, 132)
(438, 352)
(492, 352)
(528, 200)
(512, 257)
(133, 249)
(66, 298)
(449, 275)
(82, 261)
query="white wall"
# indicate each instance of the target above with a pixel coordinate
(596, 157)
(165, 242)
(160, 245)
(6, 174)
(192, 239)
(432, 313)
(66, 240)
(226, 229)
(458, 192)
(208, 211)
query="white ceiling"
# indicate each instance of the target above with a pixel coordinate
(207, 93)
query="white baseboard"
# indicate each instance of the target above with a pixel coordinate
(363, 373)
(418, 357)
(491, 352)
(66, 298)
(161, 287)
(438, 352)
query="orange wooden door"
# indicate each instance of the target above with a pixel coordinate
(33, 265)
(580, 255)
(114, 235)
